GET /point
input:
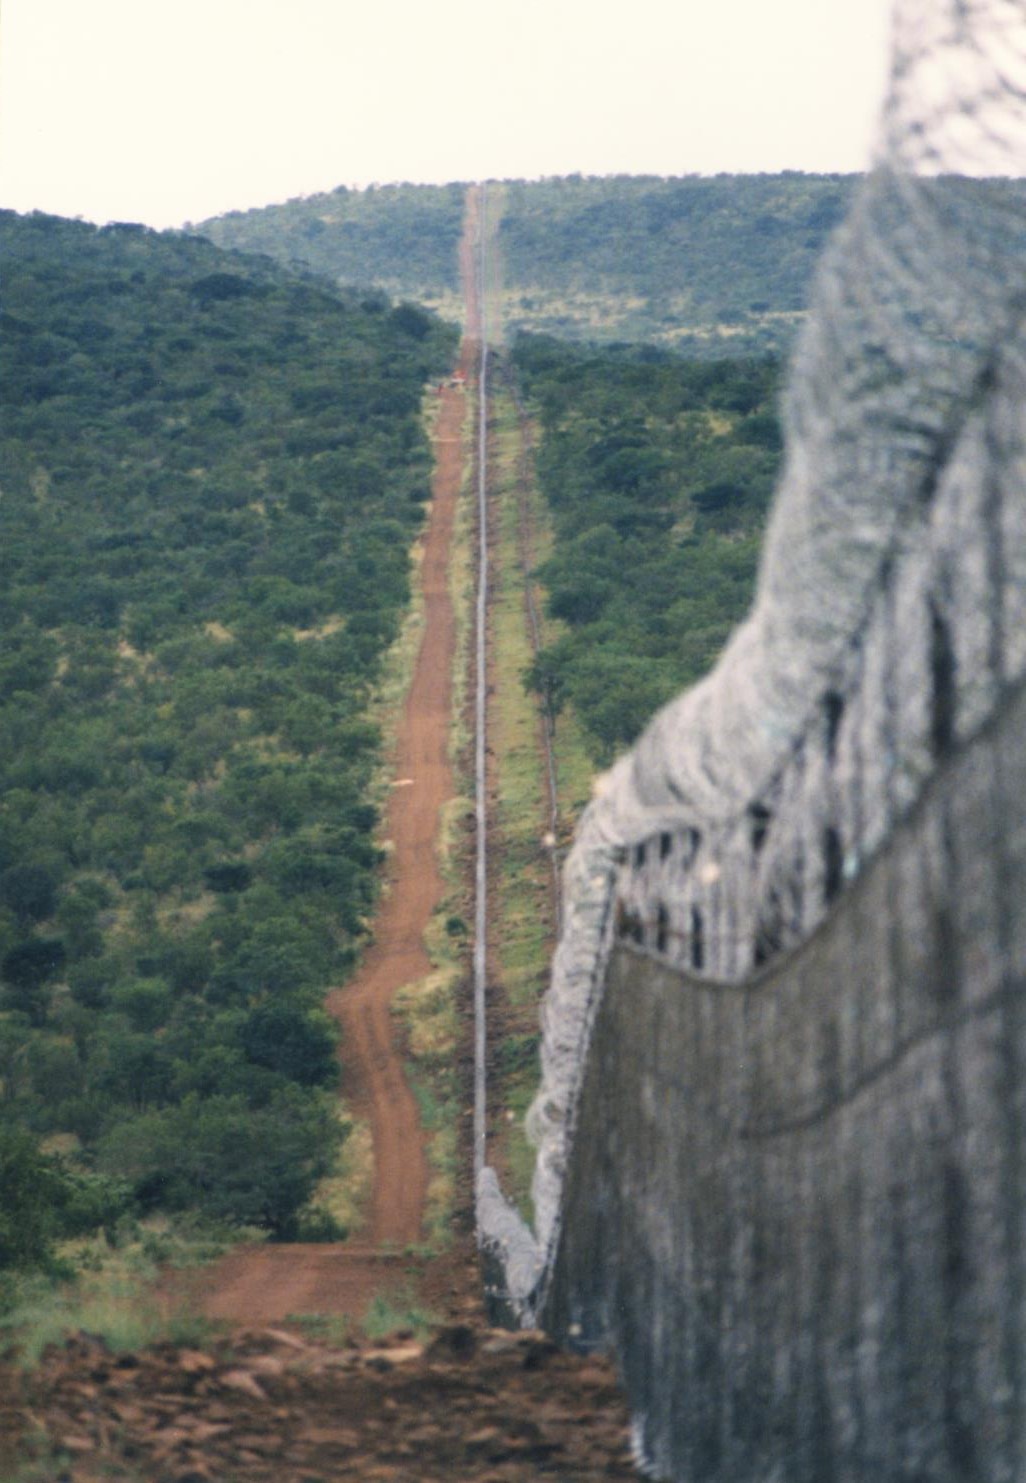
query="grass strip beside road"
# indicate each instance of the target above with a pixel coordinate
(523, 927)
(428, 1009)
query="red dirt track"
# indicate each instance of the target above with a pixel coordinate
(373, 1069)
(268, 1283)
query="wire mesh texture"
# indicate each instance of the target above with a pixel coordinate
(890, 609)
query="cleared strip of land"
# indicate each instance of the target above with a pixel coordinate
(538, 774)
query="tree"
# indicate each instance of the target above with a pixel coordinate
(26, 968)
(299, 1044)
(229, 876)
(227, 1160)
(30, 1188)
(30, 891)
(15, 1039)
(130, 1068)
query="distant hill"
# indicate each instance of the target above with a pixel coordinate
(715, 264)
(402, 238)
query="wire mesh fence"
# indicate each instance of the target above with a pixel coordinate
(890, 613)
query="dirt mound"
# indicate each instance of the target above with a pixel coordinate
(473, 1403)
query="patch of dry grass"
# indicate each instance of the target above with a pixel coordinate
(346, 1193)
(522, 909)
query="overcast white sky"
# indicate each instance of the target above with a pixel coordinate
(170, 110)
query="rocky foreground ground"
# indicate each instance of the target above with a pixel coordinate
(268, 1404)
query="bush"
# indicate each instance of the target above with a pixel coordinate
(31, 963)
(26, 969)
(31, 1188)
(299, 1044)
(227, 1161)
(228, 875)
(317, 1224)
(30, 891)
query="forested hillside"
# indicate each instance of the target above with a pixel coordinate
(658, 472)
(403, 238)
(212, 472)
(711, 265)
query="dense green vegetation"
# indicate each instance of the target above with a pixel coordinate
(658, 473)
(713, 265)
(707, 265)
(402, 237)
(212, 472)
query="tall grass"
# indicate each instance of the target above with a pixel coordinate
(522, 917)
(113, 1295)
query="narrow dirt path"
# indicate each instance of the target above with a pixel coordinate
(373, 1071)
(374, 1075)
(265, 1283)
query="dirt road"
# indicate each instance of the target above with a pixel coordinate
(265, 1283)
(374, 1077)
